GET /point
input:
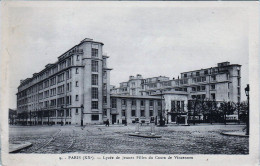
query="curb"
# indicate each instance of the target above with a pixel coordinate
(234, 134)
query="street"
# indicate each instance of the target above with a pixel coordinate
(198, 139)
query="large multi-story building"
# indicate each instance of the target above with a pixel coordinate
(75, 88)
(220, 83)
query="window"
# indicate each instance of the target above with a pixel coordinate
(182, 105)
(77, 70)
(94, 117)
(68, 87)
(105, 112)
(77, 57)
(46, 84)
(197, 73)
(105, 99)
(228, 94)
(104, 74)
(77, 83)
(185, 75)
(159, 103)
(213, 87)
(151, 102)
(113, 103)
(238, 72)
(142, 102)
(198, 88)
(94, 66)
(77, 97)
(94, 104)
(76, 111)
(193, 89)
(178, 106)
(213, 96)
(123, 112)
(68, 74)
(238, 81)
(172, 106)
(94, 79)
(61, 89)
(123, 102)
(203, 96)
(61, 77)
(142, 113)
(213, 77)
(133, 113)
(151, 113)
(227, 76)
(94, 93)
(133, 102)
(203, 79)
(94, 52)
(238, 99)
(228, 85)
(205, 72)
(203, 88)
(238, 91)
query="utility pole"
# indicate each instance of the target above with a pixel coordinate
(82, 108)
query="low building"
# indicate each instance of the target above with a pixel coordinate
(125, 108)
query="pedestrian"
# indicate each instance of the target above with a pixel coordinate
(107, 122)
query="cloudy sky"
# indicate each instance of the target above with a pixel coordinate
(140, 39)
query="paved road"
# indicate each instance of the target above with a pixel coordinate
(199, 139)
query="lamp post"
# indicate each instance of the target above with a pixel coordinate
(61, 114)
(125, 118)
(82, 108)
(48, 107)
(247, 119)
(161, 123)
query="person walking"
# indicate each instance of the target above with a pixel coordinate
(107, 123)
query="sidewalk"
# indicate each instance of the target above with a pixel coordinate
(235, 133)
(17, 146)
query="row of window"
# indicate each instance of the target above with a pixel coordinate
(133, 113)
(198, 79)
(133, 102)
(205, 72)
(198, 88)
(61, 77)
(177, 106)
(52, 81)
(53, 90)
(203, 96)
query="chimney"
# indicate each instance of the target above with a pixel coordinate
(139, 76)
(86, 39)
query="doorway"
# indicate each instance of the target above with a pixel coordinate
(113, 119)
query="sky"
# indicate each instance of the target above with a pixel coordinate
(139, 39)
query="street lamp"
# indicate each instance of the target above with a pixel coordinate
(61, 114)
(126, 118)
(82, 108)
(161, 123)
(247, 119)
